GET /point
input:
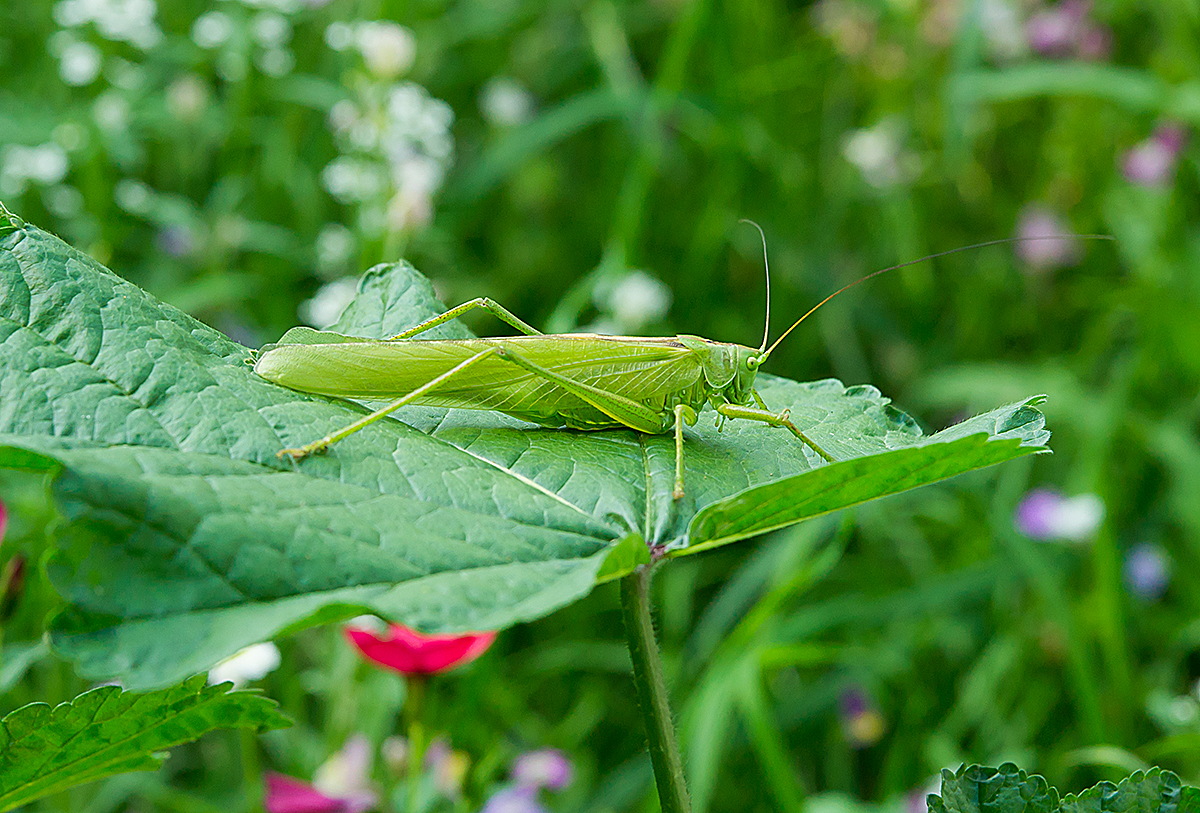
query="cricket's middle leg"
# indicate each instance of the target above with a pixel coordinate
(683, 413)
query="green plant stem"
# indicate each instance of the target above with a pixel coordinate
(251, 767)
(652, 692)
(413, 711)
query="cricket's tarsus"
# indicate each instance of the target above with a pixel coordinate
(576, 381)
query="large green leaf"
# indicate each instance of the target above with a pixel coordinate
(107, 731)
(184, 538)
(1007, 789)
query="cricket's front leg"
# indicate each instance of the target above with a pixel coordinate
(771, 419)
(683, 414)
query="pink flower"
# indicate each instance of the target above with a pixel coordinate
(514, 799)
(1152, 162)
(1046, 514)
(3, 520)
(1046, 242)
(1065, 30)
(339, 786)
(548, 768)
(412, 653)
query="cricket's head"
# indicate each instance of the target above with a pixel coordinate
(728, 368)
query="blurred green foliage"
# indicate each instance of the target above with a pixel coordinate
(236, 156)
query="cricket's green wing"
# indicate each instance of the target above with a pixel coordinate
(648, 371)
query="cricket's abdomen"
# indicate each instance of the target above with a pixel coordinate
(656, 373)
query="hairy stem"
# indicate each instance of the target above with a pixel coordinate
(652, 692)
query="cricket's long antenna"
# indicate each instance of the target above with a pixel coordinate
(767, 270)
(874, 274)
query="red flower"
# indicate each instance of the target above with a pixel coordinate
(411, 653)
(287, 795)
(341, 785)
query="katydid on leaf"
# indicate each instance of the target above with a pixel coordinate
(579, 381)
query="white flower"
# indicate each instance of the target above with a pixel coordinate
(343, 115)
(335, 245)
(129, 21)
(65, 201)
(878, 154)
(70, 13)
(408, 209)
(416, 124)
(276, 62)
(328, 303)
(504, 102)
(252, 663)
(339, 36)
(285, 6)
(352, 179)
(637, 300)
(388, 49)
(187, 97)
(79, 64)
(132, 195)
(47, 163)
(212, 29)
(271, 30)
(418, 175)
(1002, 28)
(111, 111)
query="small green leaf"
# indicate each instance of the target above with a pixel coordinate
(1153, 791)
(107, 730)
(184, 538)
(1007, 789)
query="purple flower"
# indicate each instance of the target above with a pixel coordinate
(1065, 30)
(1046, 242)
(1147, 571)
(514, 799)
(861, 720)
(548, 768)
(1046, 514)
(177, 240)
(1152, 162)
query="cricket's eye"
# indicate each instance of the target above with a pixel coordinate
(752, 363)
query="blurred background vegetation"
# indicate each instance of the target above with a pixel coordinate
(585, 162)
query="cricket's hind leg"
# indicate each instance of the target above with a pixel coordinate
(491, 306)
(324, 443)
